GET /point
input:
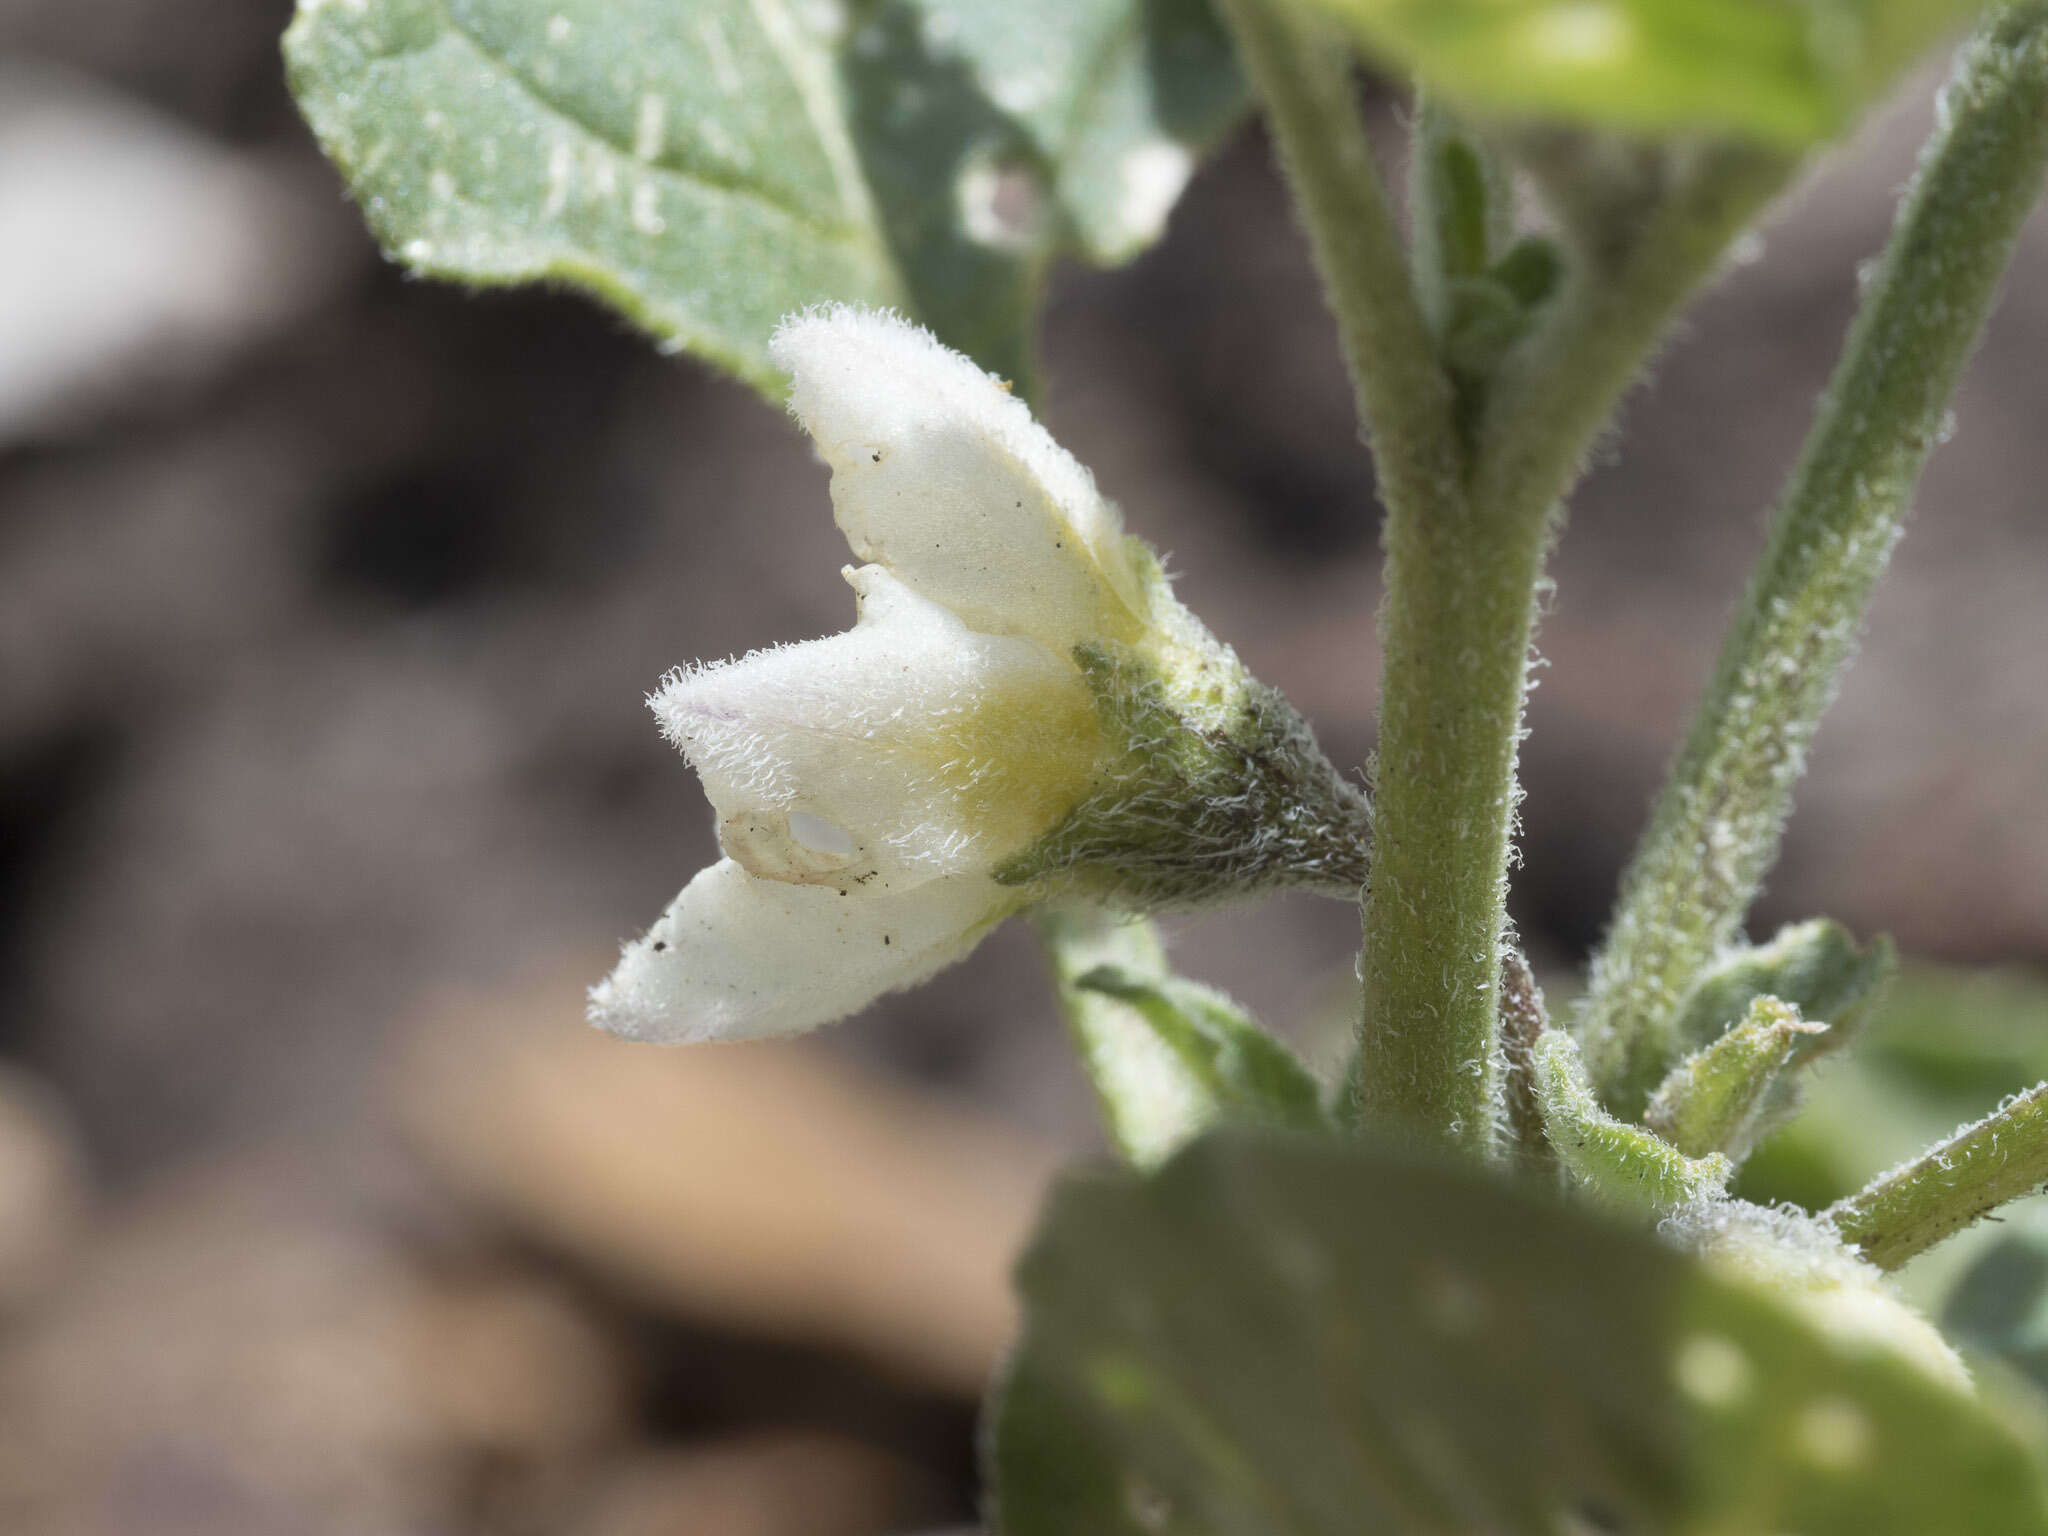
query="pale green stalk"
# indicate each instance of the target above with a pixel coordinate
(1456, 625)
(1618, 1162)
(1949, 1186)
(1302, 72)
(1426, 1053)
(1465, 542)
(1716, 829)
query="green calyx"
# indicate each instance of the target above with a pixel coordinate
(1213, 787)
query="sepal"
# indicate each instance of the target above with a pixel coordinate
(1212, 787)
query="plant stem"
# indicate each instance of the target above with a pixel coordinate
(1465, 542)
(1619, 1162)
(1302, 73)
(1427, 1051)
(1456, 625)
(1949, 1186)
(1554, 398)
(1717, 826)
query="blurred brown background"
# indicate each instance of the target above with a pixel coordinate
(327, 602)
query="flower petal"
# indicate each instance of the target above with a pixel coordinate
(736, 958)
(906, 749)
(944, 477)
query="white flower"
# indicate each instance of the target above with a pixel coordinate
(868, 785)
(1020, 709)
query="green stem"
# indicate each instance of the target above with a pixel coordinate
(1555, 397)
(1717, 826)
(1456, 627)
(1302, 72)
(1950, 1186)
(1621, 1163)
(1464, 547)
(1427, 1053)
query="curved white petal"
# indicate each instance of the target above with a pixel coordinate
(944, 477)
(738, 958)
(906, 749)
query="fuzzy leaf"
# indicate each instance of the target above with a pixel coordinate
(709, 167)
(1246, 1072)
(1713, 1101)
(1310, 1337)
(1783, 71)
(1815, 967)
(1151, 1099)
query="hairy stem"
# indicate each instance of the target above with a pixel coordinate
(1427, 1045)
(1950, 1186)
(1456, 625)
(1618, 1162)
(1302, 72)
(1557, 395)
(1465, 538)
(1717, 826)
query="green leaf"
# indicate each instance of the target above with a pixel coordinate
(1714, 1100)
(1814, 967)
(1310, 1337)
(1167, 1056)
(1783, 71)
(1532, 270)
(1246, 1073)
(708, 167)
(1151, 1099)
(1461, 205)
